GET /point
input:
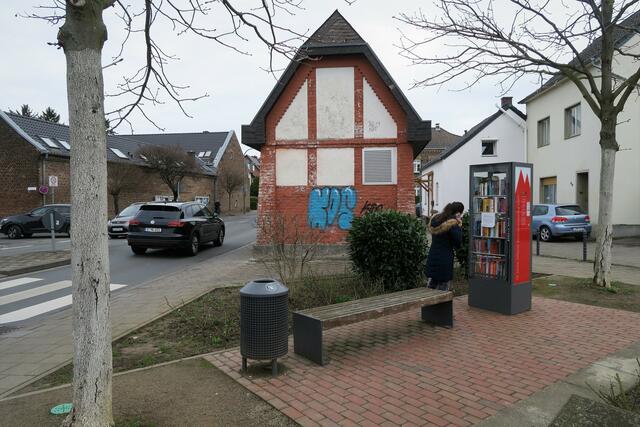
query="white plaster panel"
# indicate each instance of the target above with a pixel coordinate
(336, 166)
(291, 167)
(294, 124)
(335, 103)
(378, 123)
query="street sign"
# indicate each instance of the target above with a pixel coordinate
(43, 189)
(56, 220)
(53, 181)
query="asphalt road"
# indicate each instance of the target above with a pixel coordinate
(31, 297)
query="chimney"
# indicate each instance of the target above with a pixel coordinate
(437, 127)
(506, 101)
(465, 132)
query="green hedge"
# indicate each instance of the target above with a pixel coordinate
(253, 203)
(389, 246)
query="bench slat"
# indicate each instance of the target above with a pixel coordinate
(373, 307)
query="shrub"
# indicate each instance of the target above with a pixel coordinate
(462, 253)
(253, 203)
(390, 247)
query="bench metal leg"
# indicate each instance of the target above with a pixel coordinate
(440, 314)
(307, 338)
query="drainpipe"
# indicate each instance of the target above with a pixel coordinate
(43, 177)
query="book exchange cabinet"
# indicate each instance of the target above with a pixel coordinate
(500, 237)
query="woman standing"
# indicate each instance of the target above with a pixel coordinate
(446, 236)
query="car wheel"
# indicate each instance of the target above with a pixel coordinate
(220, 239)
(14, 232)
(192, 250)
(545, 233)
(138, 250)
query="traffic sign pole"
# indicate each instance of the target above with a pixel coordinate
(53, 231)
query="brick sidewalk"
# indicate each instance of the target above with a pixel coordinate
(399, 371)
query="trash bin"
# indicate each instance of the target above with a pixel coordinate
(264, 322)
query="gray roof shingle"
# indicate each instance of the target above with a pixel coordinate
(37, 129)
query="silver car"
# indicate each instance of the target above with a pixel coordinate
(119, 226)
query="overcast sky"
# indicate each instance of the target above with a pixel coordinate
(34, 72)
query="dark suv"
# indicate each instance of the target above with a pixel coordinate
(24, 225)
(174, 225)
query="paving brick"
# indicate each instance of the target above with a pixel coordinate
(396, 370)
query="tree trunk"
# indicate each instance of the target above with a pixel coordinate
(175, 194)
(82, 37)
(229, 193)
(602, 262)
(116, 204)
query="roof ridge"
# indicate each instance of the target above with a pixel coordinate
(178, 133)
(348, 35)
(9, 113)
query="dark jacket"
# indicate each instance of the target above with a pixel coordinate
(445, 237)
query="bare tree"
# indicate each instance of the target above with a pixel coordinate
(230, 182)
(121, 177)
(171, 162)
(539, 38)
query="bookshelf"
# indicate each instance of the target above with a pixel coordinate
(500, 237)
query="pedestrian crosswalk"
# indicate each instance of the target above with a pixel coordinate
(27, 297)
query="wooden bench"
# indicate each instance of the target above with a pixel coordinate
(309, 325)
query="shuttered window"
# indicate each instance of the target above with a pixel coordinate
(379, 165)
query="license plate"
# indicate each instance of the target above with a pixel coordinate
(117, 229)
(153, 230)
(579, 229)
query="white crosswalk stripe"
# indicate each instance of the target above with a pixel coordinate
(17, 282)
(39, 308)
(40, 290)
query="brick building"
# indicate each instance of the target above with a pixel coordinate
(337, 137)
(32, 149)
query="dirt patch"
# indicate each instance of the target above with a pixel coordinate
(187, 393)
(622, 296)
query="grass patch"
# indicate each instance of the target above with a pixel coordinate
(622, 296)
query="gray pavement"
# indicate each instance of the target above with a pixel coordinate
(625, 252)
(542, 407)
(11, 265)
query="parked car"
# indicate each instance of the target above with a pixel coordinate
(119, 225)
(24, 225)
(185, 225)
(559, 220)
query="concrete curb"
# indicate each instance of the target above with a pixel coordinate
(37, 267)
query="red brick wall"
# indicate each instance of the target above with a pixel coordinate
(19, 169)
(291, 203)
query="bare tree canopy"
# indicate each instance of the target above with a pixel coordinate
(230, 181)
(172, 163)
(121, 177)
(560, 40)
(151, 84)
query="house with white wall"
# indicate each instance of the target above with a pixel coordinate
(498, 138)
(563, 142)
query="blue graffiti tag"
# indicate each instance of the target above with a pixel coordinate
(328, 204)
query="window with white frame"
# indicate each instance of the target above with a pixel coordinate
(379, 166)
(544, 132)
(489, 147)
(572, 121)
(416, 166)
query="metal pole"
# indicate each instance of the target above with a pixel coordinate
(53, 232)
(538, 243)
(584, 245)
(274, 367)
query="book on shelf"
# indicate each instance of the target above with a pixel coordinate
(492, 186)
(488, 266)
(490, 204)
(490, 246)
(500, 230)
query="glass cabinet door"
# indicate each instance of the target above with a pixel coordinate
(489, 222)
